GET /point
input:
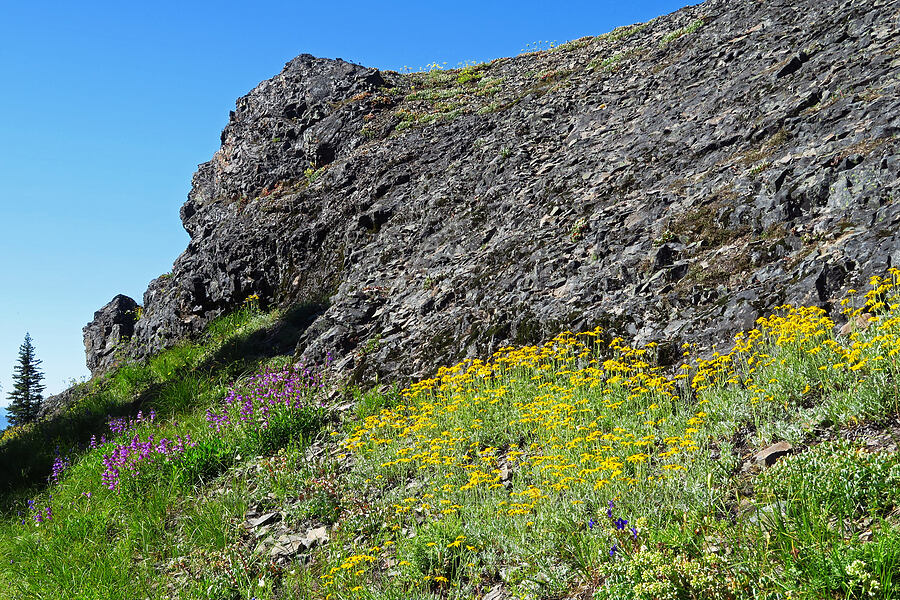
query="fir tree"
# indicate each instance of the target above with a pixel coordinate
(26, 397)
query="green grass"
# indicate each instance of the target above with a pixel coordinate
(173, 382)
(125, 543)
(573, 470)
(612, 63)
(621, 33)
(674, 35)
(441, 95)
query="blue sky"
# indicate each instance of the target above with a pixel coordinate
(108, 107)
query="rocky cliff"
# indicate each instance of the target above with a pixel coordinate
(669, 181)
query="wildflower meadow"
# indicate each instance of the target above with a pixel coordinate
(584, 467)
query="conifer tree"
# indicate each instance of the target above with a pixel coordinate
(26, 396)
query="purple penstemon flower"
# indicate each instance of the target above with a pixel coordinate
(128, 458)
(95, 443)
(121, 425)
(247, 410)
(217, 421)
(60, 464)
(266, 396)
(40, 515)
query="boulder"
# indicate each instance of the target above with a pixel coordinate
(107, 333)
(769, 455)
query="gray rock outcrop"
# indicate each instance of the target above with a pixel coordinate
(112, 327)
(669, 181)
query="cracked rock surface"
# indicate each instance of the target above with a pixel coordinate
(671, 181)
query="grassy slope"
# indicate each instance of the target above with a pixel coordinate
(177, 385)
(518, 473)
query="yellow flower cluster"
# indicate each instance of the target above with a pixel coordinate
(554, 414)
(584, 418)
(549, 413)
(806, 336)
(14, 431)
(354, 569)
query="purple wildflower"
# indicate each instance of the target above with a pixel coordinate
(40, 515)
(60, 464)
(268, 395)
(122, 425)
(127, 458)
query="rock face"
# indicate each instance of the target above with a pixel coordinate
(669, 181)
(112, 327)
